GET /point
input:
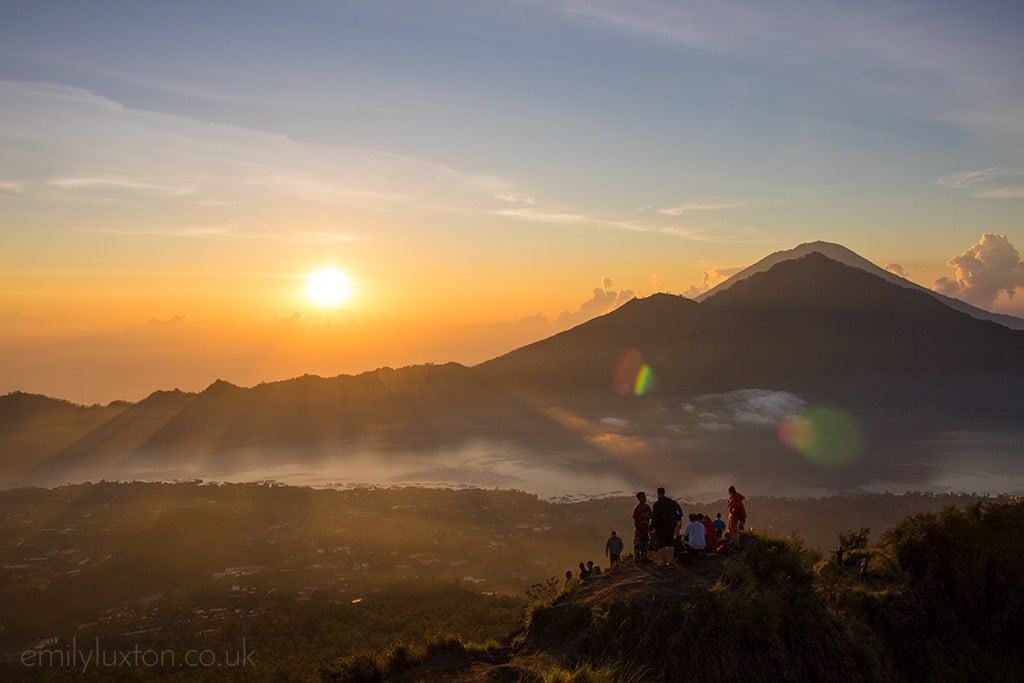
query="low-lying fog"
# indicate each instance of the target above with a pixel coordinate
(765, 442)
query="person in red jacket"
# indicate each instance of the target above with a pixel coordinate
(737, 515)
(710, 532)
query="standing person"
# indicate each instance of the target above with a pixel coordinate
(737, 515)
(641, 527)
(719, 524)
(613, 548)
(863, 570)
(710, 530)
(667, 518)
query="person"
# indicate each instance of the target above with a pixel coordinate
(613, 548)
(584, 572)
(864, 570)
(737, 515)
(694, 534)
(568, 575)
(592, 568)
(710, 530)
(641, 527)
(719, 524)
(667, 517)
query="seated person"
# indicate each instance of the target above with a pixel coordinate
(694, 534)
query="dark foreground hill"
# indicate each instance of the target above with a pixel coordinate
(943, 599)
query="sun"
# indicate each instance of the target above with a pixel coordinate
(328, 288)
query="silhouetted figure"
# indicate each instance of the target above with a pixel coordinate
(863, 570)
(737, 515)
(838, 552)
(592, 568)
(641, 527)
(568, 575)
(719, 524)
(584, 572)
(613, 548)
(667, 518)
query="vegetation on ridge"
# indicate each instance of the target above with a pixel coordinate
(943, 599)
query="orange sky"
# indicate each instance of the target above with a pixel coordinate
(487, 175)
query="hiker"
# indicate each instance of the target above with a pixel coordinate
(694, 535)
(719, 524)
(593, 568)
(863, 570)
(737, 515)
(838, 552)
(641, 527)
(568, 575)
(667, 518)
(613, 548)
(584, 572)
(710, 530)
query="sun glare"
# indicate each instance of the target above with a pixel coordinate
(328, 287)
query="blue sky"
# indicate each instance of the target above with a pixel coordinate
(517, 161)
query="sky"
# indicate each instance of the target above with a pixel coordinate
(484, 174)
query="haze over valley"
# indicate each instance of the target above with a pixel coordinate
(808, 378)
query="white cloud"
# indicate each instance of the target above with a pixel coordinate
(604, 299)
(710, 278)
(759, 408)
(895, 269)
(709, 205)
(984, 271)
(1001, 182)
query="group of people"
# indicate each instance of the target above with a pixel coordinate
(586, 571)
(660, 528)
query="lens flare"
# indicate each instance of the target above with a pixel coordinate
(633, 375)
(828, 437)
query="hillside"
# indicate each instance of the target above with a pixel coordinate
(942, 599)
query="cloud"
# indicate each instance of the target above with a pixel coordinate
(758, 408)
(984, 271)
(604, 299)
(1002, 182)
(70, 144)
(709, 205)
(895, 269)
(711, 278)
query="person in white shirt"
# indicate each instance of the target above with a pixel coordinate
(693, 534)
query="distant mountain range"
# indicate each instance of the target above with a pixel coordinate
(808, 324)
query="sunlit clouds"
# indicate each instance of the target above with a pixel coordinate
(985, 270)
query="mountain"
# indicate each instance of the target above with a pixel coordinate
(807, 324)
(841, 254)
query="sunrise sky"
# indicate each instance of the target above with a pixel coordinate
(479, 175)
